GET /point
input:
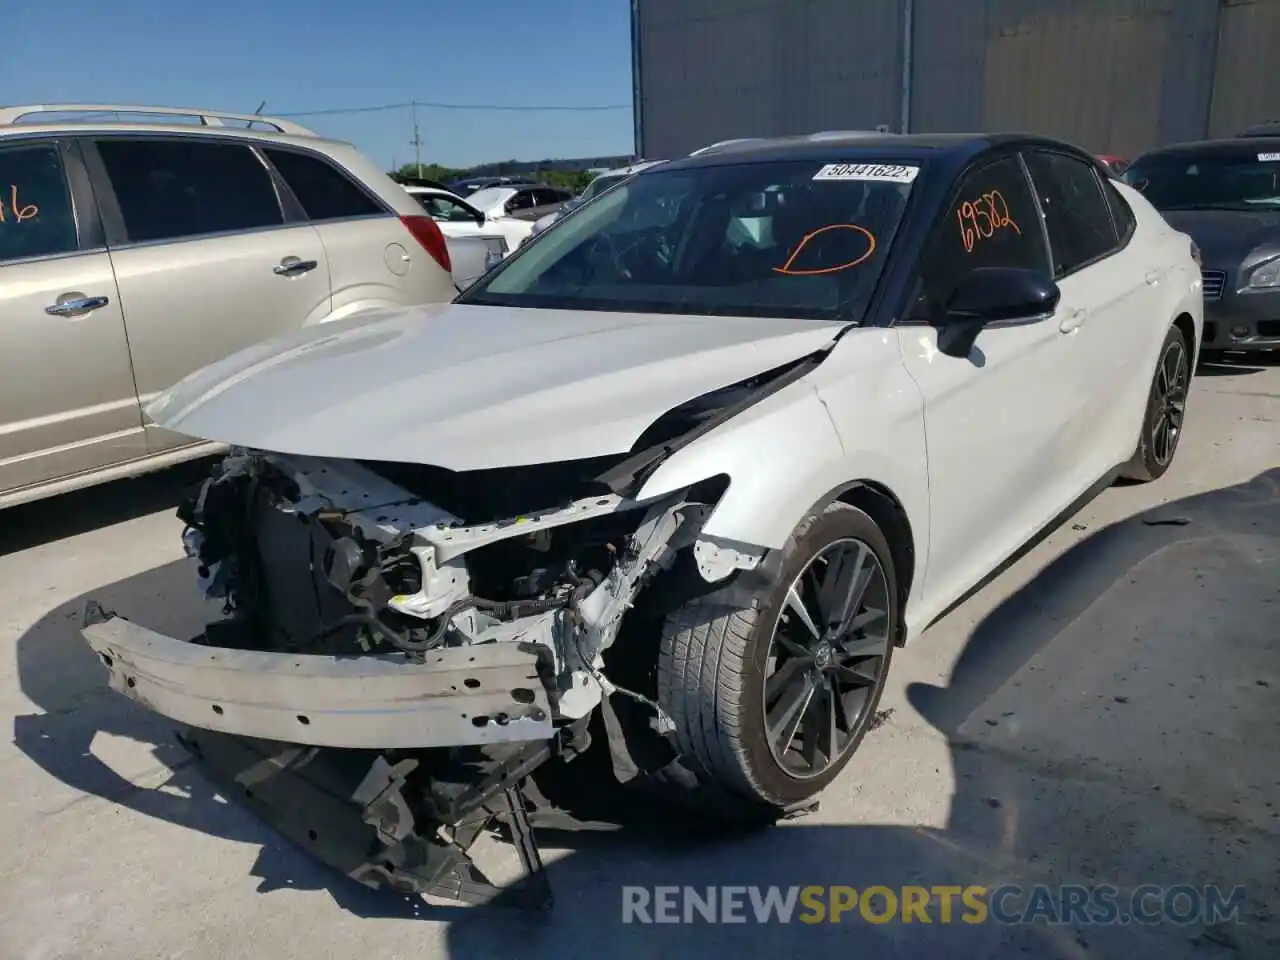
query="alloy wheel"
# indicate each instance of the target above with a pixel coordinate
(1169, 403)
(827, 655)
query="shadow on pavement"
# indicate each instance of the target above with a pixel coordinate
(1115, 721)
(55, 518)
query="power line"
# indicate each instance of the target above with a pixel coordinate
(409, 104)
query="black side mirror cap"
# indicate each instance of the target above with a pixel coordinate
(987, 295)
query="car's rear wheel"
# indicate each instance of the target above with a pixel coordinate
(1166, 409)
(772, 691)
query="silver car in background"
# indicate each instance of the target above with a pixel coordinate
(134, 252)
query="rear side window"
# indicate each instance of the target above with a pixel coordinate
(324, 191)
(1076, 213)
(993, 222)
(1121, 212)
(169, 189)
(36, 218)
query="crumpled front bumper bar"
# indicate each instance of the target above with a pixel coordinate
(457, 696)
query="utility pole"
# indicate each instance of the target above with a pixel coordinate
(416, 141)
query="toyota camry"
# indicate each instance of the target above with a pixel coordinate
(669, 486)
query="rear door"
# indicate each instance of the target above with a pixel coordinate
(373, 259)
(67, 399)
(1113, 286)
(206, 260)
(995, 421)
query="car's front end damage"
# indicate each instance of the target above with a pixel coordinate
(423, 597)
(401, 646)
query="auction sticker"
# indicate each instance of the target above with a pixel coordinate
(876, 172)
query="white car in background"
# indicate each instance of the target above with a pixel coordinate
(476, 241)
(527, 202)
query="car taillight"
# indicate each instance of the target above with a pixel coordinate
(1195, 254)
(427, 234)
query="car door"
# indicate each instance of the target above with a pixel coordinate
(1113, 288)
(206, 260)
(373, 259)
(67, 399)
(993, 420)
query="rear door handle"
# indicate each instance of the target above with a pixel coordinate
(69, 308)
(1073, 320)
(292, 266)
(1153, 276)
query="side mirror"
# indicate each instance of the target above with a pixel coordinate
(989, 295)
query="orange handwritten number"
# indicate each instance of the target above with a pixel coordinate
(981, 218)
(22, 213)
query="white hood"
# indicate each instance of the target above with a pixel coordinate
(470, 387)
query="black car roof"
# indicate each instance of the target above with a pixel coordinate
(953, 149)
(1229, 147)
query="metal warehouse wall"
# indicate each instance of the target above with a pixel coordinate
(1114, 76)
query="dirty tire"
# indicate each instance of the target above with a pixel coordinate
(712, 665)
(1146, 465)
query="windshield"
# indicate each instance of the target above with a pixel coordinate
(790, 239)
(1248, 181)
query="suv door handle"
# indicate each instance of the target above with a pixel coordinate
(292, 266)
(1073, 320)
(68, 308)
(1152, 276)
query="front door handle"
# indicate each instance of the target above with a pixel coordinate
(1073, 320)
(77, 304)
(292, 266)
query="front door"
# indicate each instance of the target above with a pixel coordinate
(205, 259)
(993, 420)
(67, 400)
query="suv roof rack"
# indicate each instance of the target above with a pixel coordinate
(208, 118)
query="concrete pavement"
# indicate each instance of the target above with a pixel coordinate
(1108, 711)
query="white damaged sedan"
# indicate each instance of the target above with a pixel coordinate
(681, 474)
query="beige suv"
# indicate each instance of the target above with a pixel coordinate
(132, 253)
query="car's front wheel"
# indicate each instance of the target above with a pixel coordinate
(772, 690)
(1166, 410)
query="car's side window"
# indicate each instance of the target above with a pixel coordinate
(168, 189)
(324, 192)
(1121, 212)
(1076, 212)
(36, 215)
(992, 222)
(523, 200)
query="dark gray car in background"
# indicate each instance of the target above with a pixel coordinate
(1226, 195)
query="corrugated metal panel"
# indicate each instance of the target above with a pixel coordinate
(1116, 76)
(716, 69)
(1245, 88)
(947, 79)
(1089, 71)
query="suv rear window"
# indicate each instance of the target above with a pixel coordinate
(791, 239)
(173, 188)
(324, 192)
(36, 218)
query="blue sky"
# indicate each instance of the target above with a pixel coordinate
(330, 54)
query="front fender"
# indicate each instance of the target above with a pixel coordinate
(783, 457)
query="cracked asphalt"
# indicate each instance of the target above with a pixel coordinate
(1106, 712)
